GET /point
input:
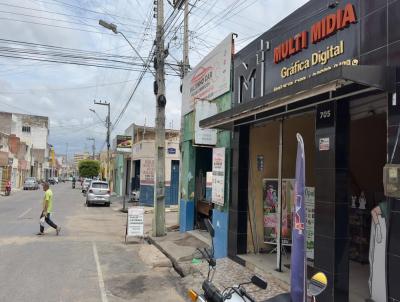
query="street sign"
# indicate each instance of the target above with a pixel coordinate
(135, 222)
(171, 151)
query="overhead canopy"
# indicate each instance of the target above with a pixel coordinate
(328, 85)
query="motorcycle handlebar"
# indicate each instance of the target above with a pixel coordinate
(211, 293)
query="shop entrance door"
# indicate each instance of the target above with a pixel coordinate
(202, 205)
(174, 188)
(272, 165)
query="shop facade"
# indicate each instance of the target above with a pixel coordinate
(327, 71)
(205, 153)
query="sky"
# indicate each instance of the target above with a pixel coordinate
(66, 92)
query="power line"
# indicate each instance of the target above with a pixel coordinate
(61, 3)
(61, 14)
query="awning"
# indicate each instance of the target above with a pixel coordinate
(337, 80)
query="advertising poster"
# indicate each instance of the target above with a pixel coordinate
(210, 78)
(287, 207)
(135, 221)
(309, 200)
(124, 143)
(271, 219)
(270, 203)
(218, 176)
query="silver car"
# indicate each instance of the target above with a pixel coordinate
(31, 183)
(98, 193)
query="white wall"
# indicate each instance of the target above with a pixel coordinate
(38, 137)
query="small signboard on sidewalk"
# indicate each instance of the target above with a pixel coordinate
(134, 222)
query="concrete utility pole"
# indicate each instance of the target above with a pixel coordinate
(159, 91)
(108, 124)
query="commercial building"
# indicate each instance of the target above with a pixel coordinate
(205, 187)
(327, 71)
(134, 164)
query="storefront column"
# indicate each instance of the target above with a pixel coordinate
(393, 245)
(237, 235)
(331, 194)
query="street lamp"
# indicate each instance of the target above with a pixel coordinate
(98, 116)
(113, 28)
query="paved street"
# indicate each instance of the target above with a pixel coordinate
(87, 262)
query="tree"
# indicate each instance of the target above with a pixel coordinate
(89, 168)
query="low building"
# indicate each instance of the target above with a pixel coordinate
(134, 164)
(27, 140)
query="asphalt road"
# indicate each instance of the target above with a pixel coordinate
(87, 262)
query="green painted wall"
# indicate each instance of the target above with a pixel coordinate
(189, 155)
(119, 175)
(188, 158)
(224, 139)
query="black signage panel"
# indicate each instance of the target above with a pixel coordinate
(313, 40)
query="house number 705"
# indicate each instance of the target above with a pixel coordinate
(325, 114)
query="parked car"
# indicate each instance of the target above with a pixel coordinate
(86, 184)
(98, 192)
(51, 181)
(31, 183)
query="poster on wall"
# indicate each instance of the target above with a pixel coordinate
(287, 209)
(270, 201)
(210, 78)
(270, 204)
(309, 200)
(203, 110)
(218, 176)
(147, 172)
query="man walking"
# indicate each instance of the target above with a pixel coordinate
(47, 209)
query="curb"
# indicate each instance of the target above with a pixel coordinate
(174, 262)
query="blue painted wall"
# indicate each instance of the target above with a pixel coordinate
(186, 215)
(147, 196)
(220, 224)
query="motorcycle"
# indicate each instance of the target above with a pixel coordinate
(316, 285)
(73, 185)
(8, 188)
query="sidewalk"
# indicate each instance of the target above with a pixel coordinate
(181, 249)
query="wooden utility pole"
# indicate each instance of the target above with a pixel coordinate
(159, 90)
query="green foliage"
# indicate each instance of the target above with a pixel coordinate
(89, 168)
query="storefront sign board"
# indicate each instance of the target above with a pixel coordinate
(135, 221)
(203, 110)
(124, 143)
(210, 78)
(218, 176)
(293, 54)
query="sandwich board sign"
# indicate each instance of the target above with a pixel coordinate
(135, 222)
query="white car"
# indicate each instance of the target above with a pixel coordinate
(98, 193)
